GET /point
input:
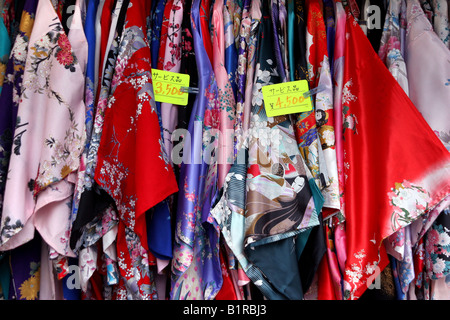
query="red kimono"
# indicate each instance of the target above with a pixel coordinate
(132, 164)
(396, 169)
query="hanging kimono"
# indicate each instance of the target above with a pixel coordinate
(94, 204)
(9, 99)
(246, 62)
(164, 34)
(306, 130)
(41, 186)
(89, 252)
(223, 41)
(94, 227)
(155, 37)
(325, 127)
(231, 17)
(317, 127)
(89, 29)
(300, 68)
(338, 70)
(402, 192)
(262, 195)
(196, 270)
(428, 59)
(131, 136)
(329, 18)
(169, 59)
(27, 255)
(392, 53)
(392, 44)
(255, 13)
(187, 66)
(436, 272)
(171, 62)
(205, 15)
(419, 34)
(329, 277)
(305, 126)
(104, 17)
(225, 145)
(98, 39)
(278, 199)
(279, 22)
(241, 73)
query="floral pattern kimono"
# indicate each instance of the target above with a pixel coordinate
(20, 264)
(241, 75)
(255, 13)
(88, 230)
(127, 128)
(435, 256)
(392, 46)
(171, 62)
(392, 53)
(324, 110)
(231, 18)
(306, 129)
(333, 264)
(315, 129)
(9, 99)
(279, 22)
(169, 59)
(93, 215)
(250, 22)
(419, 33)
(196, 269)
(44, 185)
(226, 116)
(407, 191)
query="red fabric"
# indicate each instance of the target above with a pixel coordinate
(318, 50)
(325, 284)
(389, 150)
(205, 8)
(132, 167)
(227, 291)
(96, 280)
(164, 34)
(329, 277)
(419, 262)
(328, 212)
(97, 286)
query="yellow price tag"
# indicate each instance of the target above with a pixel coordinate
(286, 98)
(167, 87)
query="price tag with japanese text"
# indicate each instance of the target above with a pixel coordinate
(286, 98)
(167, 87)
